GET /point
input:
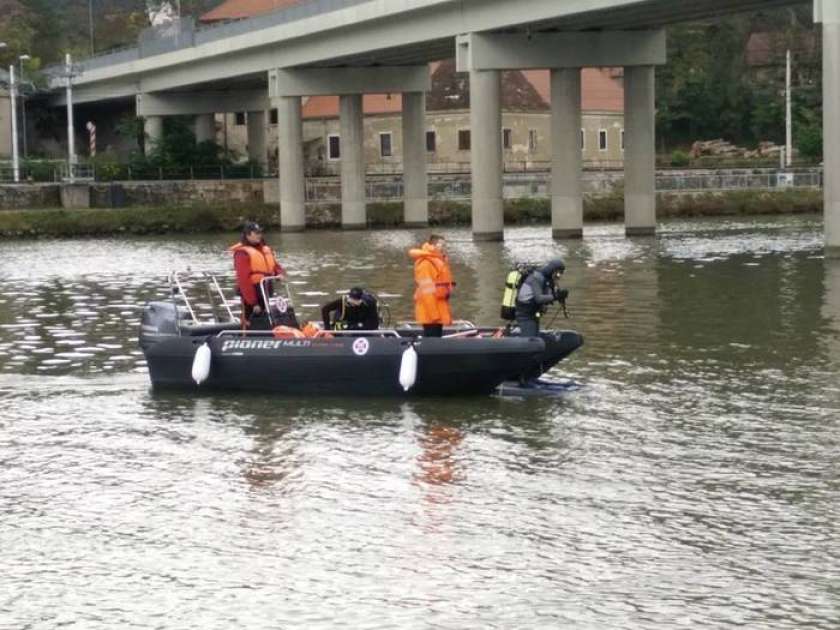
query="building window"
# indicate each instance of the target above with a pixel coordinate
(507, 138)
(464, 140)
(273, 117)
(583, 139)
(385, 144)
(431, 142)
(532, 140)
(622, 139)
(333, 147)
(239, 119)
(602, 139)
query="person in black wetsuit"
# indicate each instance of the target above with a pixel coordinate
(537, 292)
(358, 310)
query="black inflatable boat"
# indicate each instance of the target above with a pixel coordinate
(183, 351)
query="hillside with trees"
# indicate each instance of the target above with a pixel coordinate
(46, 29)
(726, 79)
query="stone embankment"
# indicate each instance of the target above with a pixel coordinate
(383, 188)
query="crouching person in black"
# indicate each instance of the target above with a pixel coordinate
(538, 291)
(358, 310)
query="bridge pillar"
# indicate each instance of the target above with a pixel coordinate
(829, 14)
(353, 188)
(256, 136)
(205, 128)
(415, 179)
(153, 130)
(486, 155)
(567, 161)
(290, 149)
(640, 151)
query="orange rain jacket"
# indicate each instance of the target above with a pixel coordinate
(434, 286)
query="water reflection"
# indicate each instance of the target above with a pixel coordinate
(831, 309)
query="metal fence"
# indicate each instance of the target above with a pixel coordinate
(53, 172)
(447, 182)
(702, 182)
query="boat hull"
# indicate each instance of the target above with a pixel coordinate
(341, 366)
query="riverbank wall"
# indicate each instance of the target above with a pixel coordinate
(449, 187)
(170, 218)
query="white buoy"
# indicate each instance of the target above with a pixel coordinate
(201, 364)
(408, 368)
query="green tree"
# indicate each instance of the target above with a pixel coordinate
(711, 88)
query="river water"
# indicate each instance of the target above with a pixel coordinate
(692, 481)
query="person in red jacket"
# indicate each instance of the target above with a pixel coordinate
(253, 260)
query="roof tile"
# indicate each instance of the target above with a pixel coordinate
(240, 9)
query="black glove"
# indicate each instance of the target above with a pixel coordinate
(561, 295)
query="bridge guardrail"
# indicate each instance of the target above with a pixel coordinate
(148, 45)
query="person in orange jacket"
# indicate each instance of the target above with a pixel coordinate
(434, 286)
(253, 260)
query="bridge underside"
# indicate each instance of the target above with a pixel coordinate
(642, 15)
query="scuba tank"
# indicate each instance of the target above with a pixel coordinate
(513, 282)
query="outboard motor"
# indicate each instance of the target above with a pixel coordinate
(160, 321)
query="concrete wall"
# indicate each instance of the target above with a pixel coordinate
(180, 193)
(446, 126)
(328, 189)
(161, 194)
(5, 125)
(30, 196)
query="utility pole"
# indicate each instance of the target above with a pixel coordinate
(13, 98)
(788, 114)
(71, 140)
(22, 91)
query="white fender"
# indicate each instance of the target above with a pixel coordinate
(408, 368)
(201, 364)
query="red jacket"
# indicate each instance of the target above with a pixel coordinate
(242, 266)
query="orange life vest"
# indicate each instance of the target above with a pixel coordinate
(263, 262)
(287, 332)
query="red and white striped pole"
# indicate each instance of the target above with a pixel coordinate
(92, 131)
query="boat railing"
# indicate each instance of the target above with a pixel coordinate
(178, 283)
(463, 334)
(323, 334)
(464, 324)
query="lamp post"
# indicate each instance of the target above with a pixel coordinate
(71, 139)
(788, 114)
(21, 59)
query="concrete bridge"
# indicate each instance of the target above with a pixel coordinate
(351, 47)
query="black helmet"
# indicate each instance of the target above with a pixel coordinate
(252, 226)
(356, 293)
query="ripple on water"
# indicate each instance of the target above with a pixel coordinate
(691, 481)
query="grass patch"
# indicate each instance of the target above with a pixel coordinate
(103, 222)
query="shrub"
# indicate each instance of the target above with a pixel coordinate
(680, 159)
